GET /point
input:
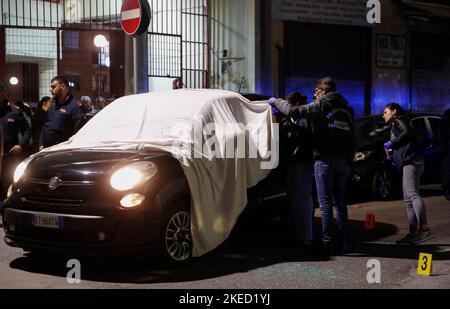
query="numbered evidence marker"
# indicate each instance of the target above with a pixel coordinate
(425, 266)
(369, 224)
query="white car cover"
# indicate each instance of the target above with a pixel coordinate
(224, 142)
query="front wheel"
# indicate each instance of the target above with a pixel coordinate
(383, 184)
(177, 238)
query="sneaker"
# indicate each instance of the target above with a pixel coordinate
(407, 240)
(303, 246)
(422, 236)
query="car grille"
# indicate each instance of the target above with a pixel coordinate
(63, 183)
(57, 236)
(46, 201)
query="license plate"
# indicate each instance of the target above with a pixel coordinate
(48, 221)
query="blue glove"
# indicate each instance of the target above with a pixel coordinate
(388, 145)
(391, 159)
(272, 101)
(277, 112)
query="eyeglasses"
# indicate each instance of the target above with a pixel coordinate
(317, 90)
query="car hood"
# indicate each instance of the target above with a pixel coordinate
(86, 165)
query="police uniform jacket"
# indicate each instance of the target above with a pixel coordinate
(62, 121)
(15, 124)
(332, 125)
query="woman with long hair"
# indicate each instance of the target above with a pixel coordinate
(408, 157)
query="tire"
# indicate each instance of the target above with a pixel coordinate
(383, 185)
(176, 238)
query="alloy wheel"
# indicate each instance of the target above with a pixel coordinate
(384, 184)
(178, 239)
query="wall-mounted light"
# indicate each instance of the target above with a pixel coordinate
(100, 41)
(14, 81)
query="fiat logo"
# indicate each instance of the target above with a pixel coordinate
(54, 183)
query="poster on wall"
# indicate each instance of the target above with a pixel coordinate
(334, 12)
(391, 51)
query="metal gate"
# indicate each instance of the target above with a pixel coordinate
(49, 37)
(178, 41)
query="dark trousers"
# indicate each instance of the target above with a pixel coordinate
(300, 184)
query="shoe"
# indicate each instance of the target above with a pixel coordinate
(341, 248)
(303, 246)
(326, 250)
(407, 240)
(422, 236)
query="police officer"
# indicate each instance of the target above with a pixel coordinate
(333, 149)
(64, 117)
(301, 175)
(13, 124)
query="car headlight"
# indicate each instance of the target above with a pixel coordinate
(20, 169)
(132, 175)
(362, 155)
(132, 200)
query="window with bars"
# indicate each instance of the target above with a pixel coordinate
(31, 57)
(178, 41)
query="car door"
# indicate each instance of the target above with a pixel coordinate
(433, 153)
(423, 129)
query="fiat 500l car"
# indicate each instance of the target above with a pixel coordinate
(371, 170)
(112, 189)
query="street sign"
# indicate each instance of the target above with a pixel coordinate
(135, 16)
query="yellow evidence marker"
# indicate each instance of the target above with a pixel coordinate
(425, 266)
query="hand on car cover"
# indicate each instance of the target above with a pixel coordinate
(277, 112)
(272, 101)
(388, 145)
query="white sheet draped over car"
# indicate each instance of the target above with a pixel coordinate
(225, 143)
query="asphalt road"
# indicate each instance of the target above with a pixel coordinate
(262, 257)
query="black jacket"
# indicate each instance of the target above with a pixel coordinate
(297, 137)
(62, 121)
(405, 142)
(332, 125)
(14, 124)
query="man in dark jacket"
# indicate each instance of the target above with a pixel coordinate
(333, 145)
(64, 117)
(13, 125)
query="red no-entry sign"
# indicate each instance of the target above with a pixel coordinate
(135, 16)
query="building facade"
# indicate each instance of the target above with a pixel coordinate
(265, 46)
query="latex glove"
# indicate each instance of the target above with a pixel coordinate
(277, 112)
(388, 145)
(272, 101)
(391, 159)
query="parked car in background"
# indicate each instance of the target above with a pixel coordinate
(372, 171)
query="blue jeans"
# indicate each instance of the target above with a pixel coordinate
(300, 183)
(331, 176)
